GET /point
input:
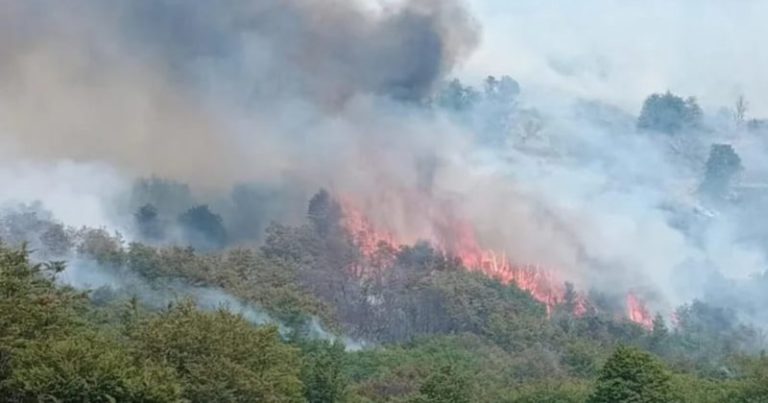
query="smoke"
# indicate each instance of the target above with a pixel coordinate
(74, 193)
(105, 284)
(300, 94)
(619, 52)
(85, 274)
(208, 93)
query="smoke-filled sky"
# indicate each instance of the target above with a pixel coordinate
(620, 51)
(330, 93)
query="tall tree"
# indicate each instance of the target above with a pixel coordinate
(148, 222)
(324, 212)
(632, 375)
(669, 113)
(722, 166)
(203, 228)
(443, 386)
(322, 372)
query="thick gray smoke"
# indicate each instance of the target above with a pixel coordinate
(208, 92)
(326, 51)
(333, 93)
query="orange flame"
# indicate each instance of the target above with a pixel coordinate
(365, 235)
(637, 311)
(457, 237)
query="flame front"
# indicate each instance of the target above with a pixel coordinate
(637, 311)
(457, 238)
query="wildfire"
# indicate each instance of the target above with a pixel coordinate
(544, 286)
(637, 312)
(365, 235)
(457, 237)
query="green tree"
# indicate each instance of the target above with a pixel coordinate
(753, 385)
(632, 375)
(722, 165)
(148, 222)
(203, 228)
(668, 113)
(324, 213)
(659, 335)
(220, 357)
(86, 367)
(49, 351)
(446, 385)
(323, 372)
(551, 391)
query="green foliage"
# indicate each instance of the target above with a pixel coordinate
(87, 367)
(220, 357)
(693, 389)
(442, 333)
(31, 306)
(149, 223)
(324, 213)
(550, 391)
(752, 385)
(668, 113)
(48, 351)
(444, 385)
(51, 351)
(397, 373)
(99, 245)
(632, 375)
(722, 165)
(202, 228)
(322, 372)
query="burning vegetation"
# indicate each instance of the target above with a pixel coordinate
(457, 238)
(483, 240)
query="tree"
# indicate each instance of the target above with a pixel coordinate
(322, 372)
(202, 228)
(56, 241)
(722, 165)
(443, 386)
(740, 109)
(220, 357)
(668, 113)
(551, 390)
(48, 351)
(86, 367)
(754, 385)
(456, 97)
(504, 89)
(148, 222)
(101, 246)
(632, 375)
(659, 334)
(168, 196)
(324, 212)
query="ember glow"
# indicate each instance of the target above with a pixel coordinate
(637, 312)
(366, 236)
(458, 238)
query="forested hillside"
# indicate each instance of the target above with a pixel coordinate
(418, 327)
(383, 201)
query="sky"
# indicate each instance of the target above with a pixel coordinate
(621, 51)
